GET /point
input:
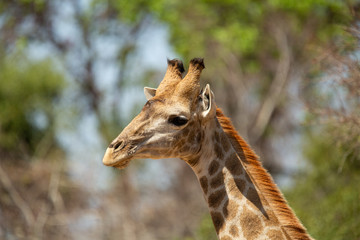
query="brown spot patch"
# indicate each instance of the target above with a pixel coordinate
(230, 209)
(216, 198)
(218, 220)
(217, 181)
(254, 198)
(250, 224)
(213, 167)
(225, 211)
(204, 184)
(225, 142)
(248, 178)
(218, 151)
(234, 231)
(274, 234)
(233, 164)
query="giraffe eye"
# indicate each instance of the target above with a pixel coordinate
(178, 120)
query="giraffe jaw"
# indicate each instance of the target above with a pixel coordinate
(123, 164)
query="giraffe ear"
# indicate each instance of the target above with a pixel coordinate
(208, 103)
(149, 92)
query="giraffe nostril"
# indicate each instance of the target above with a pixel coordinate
(119, 145)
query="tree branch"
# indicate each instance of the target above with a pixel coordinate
(277, 87)
(17, 199)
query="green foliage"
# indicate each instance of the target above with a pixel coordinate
(241, 26)
(23, 8)
(128, 8)
(206, 229)
(326, 197)
(130, 12)
(28, 93)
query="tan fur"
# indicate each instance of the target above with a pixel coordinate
(172, 77)
(189, 86)
(264, 181)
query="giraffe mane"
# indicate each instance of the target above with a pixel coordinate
(263, 180)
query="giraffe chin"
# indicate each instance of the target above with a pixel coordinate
(122, 164)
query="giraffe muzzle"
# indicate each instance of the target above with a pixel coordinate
(121, 151)
(114, 154)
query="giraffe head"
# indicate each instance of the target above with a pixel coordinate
(170, 125)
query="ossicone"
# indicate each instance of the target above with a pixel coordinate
(198, 63)
(176, 64)
(172, 76)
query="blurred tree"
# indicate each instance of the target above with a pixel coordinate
(32, 192)
(327, 194)
(28, 95)
(98, 27)
(332, 144)
(75, 34)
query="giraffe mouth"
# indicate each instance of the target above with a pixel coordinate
(114, 159)
(120, 153)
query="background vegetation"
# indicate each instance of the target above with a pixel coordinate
(71, 77)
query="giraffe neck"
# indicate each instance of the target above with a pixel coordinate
(237, 207)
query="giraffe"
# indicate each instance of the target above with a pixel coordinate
(181, 121)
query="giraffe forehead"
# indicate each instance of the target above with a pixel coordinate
(175, 95)
(173, 105)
